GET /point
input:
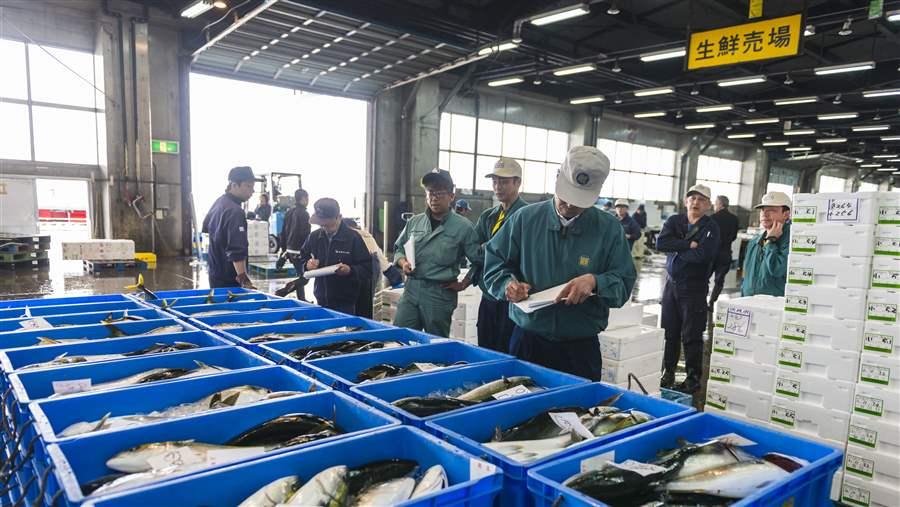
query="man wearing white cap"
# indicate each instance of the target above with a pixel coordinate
(691, 243)
(765, 263)
(629, 225)
(494, 325)
(566, 242)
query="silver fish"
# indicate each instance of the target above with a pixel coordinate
(736, 480)
(64, 358)
(153, 375)
(387, 493)
(230, 325)
(326, 488)
(435, 479)
(484, 392)
(175, 328)
(210, 313)
(42, 340)
(180, 454)
(274, 493)
(134, 480)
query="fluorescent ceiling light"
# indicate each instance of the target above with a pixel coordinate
(496, 48)
(892, 160)
(832, 140)
(663, 55)
(220, 4)
(795, 100)
(884, 155)
(650, 114)
(890, 138)
(840, 69)
(587, 100)
(742, 136)
(760, 121)
(869, 128)
(881, 93)
(742, 81)
(575, 69)
(798, 148)
(893, 16)
(776, 143)
(799, 132)
(197, 8)
(870, 165)
(572, 11)
(506, 81)
(695, 126)
(838, 116)
(654, 91)
(713, 109)
(885, 169)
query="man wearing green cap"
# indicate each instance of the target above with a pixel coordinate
(429, 251)
(226, 225)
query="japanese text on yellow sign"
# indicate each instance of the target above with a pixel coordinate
(773, 38)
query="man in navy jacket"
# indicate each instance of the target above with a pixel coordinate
(226, 225)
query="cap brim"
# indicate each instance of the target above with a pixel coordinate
(315, 219)
(692, 192)
(500, 174)
(583, 198)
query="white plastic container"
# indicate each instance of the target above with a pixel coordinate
(833, 240)
(759, 350)
(836, 208)
(856, 491)
(629, 342)
(629, 315)
(727, 370)
(881, 338)
(887, 241)
(825, 302)
(750, 316)
(882, 305)
(878, 403)
(810, 420)
(738, 402)
(880, 371)
(616, 372)
(837, 272)
(822, 331)
(885, 272)
(872, 433)
(818, 361)
(825, 393)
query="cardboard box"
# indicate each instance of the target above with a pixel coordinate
(885, 272)
(738, 402)
(869, 465)
(825, 302)
(839, 272)
(836, 208)
(833, 240)
(822, 331)
(872, 433)
(881, 338)
(878, 403)
(818, 361)
(857, 491)
(629, 342)
(887, 241)
(759, 350)
(727, 370)
(810, 420)
(750, 316)
(880, 371)
(628, 316)
(616, 372)
(881, 305)
(825, 393)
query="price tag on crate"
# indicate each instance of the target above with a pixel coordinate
(889, 215)
(783, 416)
(842, 210)
(804, 214)
(885, 279)
(568, 422)
(426, 366)
(787, 386)
(718, 400)
(859, 465)
(875, 342)
(854, 495)
(176, 457)
(804, 243)
(863, 436)
(884, 312)
(887, 246)
(800, 276)
(720, 373)
(512, 392)
(790, 357)
(723, 345)
(642, 469)
(737, 321)
(874, 374)
(71, 386)
(792, 331)
(868, 405)
(796, 304)
(35, 323)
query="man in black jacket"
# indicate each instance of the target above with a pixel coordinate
(728, 229)
(294, 233)
(335, 244)
(226, 225)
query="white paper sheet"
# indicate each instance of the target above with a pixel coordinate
(326, 271)
(540, 299)
(410, 250)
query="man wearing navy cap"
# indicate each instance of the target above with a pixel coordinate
(226, 225)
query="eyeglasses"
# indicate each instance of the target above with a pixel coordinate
(436, 194)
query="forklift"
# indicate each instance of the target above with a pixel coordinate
(280, 188)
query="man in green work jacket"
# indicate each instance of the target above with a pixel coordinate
(765, 262)
(494, 325)
(429, 251)
(565, 242)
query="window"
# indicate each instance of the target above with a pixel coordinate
(50, 110)
(468, 154)
(639, 172)
(780, 187)
(831, 184)
(721, 175)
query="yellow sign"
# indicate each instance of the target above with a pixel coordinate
(761, 40)
(756, 9)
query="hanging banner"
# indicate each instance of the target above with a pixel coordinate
(756, 9)
(760, 40)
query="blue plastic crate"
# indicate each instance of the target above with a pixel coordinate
(240, 306)
(203, 300)
(186, 293)
(300, 314)
(469, 429)
(90, 332)
(72, 308)
(80, 460)
(242, 335)
(234, 483)
(280, 351)
(58, 301)
(381, 394)
(82, 319)
(341, 371)
(810, 485)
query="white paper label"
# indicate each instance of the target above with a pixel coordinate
(427, 366)
(737, 321)
(875, 342)
(800, 275)
(863, 436)
(642, 469)
(887, 246)
(874, 374)
(479, 469)
(176, 457)
(718, 400)
(804, 214)
(854, 495)
(842, 210)
(597, 462)
(886, 312)
(71, 386)
(723, 345)
(734, 439)
(512, 392)
(35, 323)
(860, 465)
(219, 456)
(569, 421)
(868, 405)
(790, 357)
(804, 244)
(787, 386)
(889, 215)
(783, 415)
(798, 304)
(720, 373)
(791, 331)
(885, 278)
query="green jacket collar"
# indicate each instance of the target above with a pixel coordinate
(553, 218)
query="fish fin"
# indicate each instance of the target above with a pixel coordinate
(312, 388)
(209, 297)
(215, 400)
(498, 435)
(57, 358)
(102, 422)
(231, 400)
(611, 400)
(47, 341)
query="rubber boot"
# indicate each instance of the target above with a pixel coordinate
(693, 359)
(670, 363)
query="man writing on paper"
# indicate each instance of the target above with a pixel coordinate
(765, 263)
(226, 225)
(335, 244)
(691, 243)
(440, 239)
(494, 324)
(565, 242)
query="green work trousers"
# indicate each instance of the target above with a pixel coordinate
(426, 306)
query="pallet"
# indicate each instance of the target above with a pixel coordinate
(24, 244)
(267, 269)
(22, 256)
(25, 264)
(99, 267)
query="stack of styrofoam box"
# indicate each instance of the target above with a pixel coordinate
(390, 298)
(463, 325)
(872, 457)
(258, 238)
(99, 250)
(627, 346)
(742, 362)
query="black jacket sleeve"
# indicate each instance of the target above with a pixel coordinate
(669, 240)
(237, 247)
(306, 252)
(361, 263)
(286, 228)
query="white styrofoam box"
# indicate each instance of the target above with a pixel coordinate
(728, 370)
(857, 491)
(833, 240)
(759, 349)
(888, 208)
(629, 315)
(629, 342)
(616, 372)
(836, 485)
(736, 401)
(99, 249)
(826, 393)
(825, 301)
(467, 308)
(885, 272)
(881, 338)
(874, 466)
(822, 331)
(463, 329)
(880, 371)
(750, 316)
(835, 208)
(818, 361)
(388, 312)
(887, 240)
(649, 381)
(840, 272)
(810, 420)
(877, 402)
(882, 304)
(872, 433)
(392, 296)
